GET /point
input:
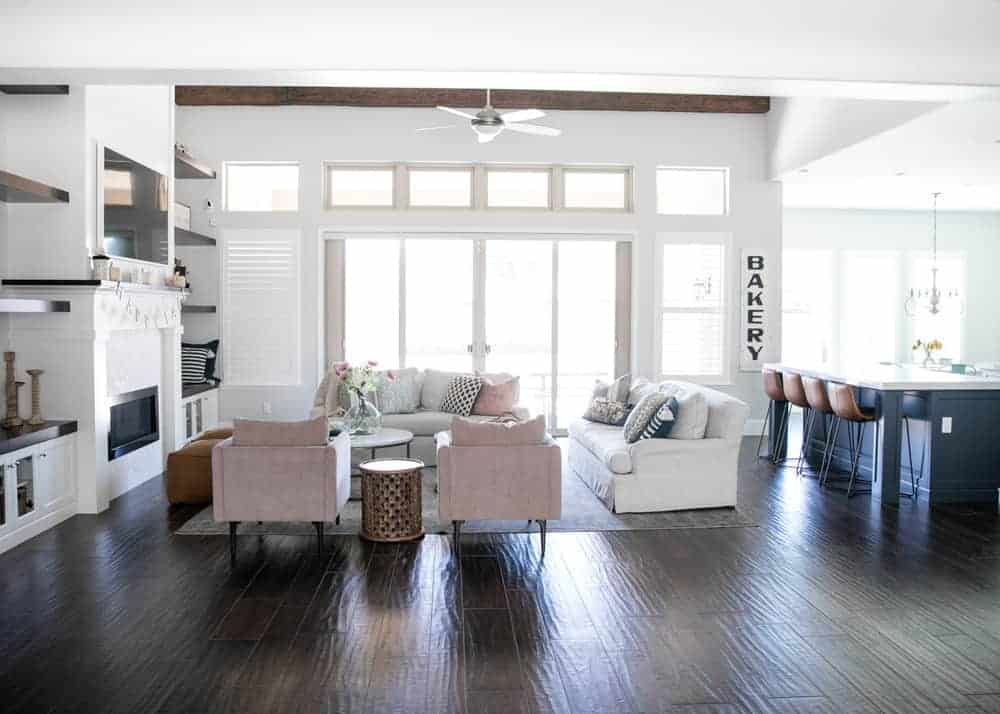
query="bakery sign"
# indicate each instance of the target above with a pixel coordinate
(756, 336)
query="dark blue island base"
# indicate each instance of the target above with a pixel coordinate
(959, 465)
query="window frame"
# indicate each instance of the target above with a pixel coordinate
(725, 239)
(225, 185)
(726, 190)
(547, 169)
(399, 186)
(629, 197)
(408, 169)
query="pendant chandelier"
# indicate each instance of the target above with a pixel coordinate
(932, 300)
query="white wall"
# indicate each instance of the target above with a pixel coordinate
(975, 233)
(311, 135)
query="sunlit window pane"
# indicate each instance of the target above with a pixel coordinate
(262, 187)
(692, 191)
(360, 187)
(692, 328)
(517, 189)
(439, 311)
(868, 326)
(946, 326)
(595, 189)
(807, 306)
(371, 329)
(450, 188)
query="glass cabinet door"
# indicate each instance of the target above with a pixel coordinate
(3, 492)
(25, 471)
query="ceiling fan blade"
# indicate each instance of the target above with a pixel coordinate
(436, 128)
(523, 115)
(457, 112)
(536, 129)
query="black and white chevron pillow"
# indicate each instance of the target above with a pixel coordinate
(461, 394)
(193, 360)
(660, 423)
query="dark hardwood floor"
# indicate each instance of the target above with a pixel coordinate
(827, 606)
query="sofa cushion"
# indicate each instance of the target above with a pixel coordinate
(638, 418)
(496, 399)
(691, 421)
(399, 394)
(250, 432)
(605, 442)
(616, 391)
(465, 432)
(433, 389)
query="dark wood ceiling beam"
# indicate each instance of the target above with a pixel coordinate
(202, 96)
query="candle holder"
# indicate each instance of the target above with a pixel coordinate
(36, 418)
(12, 420)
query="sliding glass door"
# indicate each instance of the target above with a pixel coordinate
(544, 309)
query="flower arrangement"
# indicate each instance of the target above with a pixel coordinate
(361, 379)
(929, 347)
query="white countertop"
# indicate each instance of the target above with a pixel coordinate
(890, 377)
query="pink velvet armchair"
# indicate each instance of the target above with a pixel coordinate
(498, 472)
(280, 471)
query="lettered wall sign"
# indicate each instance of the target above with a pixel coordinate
(757, 339)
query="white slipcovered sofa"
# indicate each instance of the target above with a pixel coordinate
(662, 474)
(426, 421)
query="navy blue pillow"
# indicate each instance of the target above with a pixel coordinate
(662, 422)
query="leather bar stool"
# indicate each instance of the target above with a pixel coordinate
(846, 409)
(776, 393)
(795, 393)
(819, 409)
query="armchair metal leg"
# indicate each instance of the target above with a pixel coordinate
(318, 525)
(456, 527)
(232, 542)
(337, 522)
(543, 525)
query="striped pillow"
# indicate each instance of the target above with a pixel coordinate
(660, 423)
(193, 361)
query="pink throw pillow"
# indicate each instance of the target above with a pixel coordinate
(465, 432)
(495, 399)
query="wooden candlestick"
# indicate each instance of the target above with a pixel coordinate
(36, 397)
(12, 420)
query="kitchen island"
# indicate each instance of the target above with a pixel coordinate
(954, 426)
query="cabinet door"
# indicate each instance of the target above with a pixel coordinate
(57, 474)
(199, 416)
(6, 492)
(188, 421)
(211, 410)
(26, 474)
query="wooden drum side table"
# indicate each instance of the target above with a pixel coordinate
(391, 500)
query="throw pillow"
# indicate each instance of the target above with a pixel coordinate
(213, 347)
(605, 411)
(435, 385)
(662, 422)
(691, 420)
(461, 395)
(193, 361)
(495, 399)
(400, 395)
(465, 432)
(617, 391)
(638, 418)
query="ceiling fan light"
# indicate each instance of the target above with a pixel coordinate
(487, 130)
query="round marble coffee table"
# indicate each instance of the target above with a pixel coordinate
(383, 439)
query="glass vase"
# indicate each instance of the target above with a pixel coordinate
(363, 417)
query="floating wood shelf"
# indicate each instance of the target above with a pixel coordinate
(182, 236)
(18, 189)
(186, 167)
(34, 88)
(29, 305)
(198, 308)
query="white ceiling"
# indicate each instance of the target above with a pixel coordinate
(726, 45)
(954, 149)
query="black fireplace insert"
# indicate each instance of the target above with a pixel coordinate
(134, 422)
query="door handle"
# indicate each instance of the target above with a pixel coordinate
(468, 349)
(489, 348)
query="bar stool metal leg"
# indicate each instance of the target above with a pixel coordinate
(914, 483)
(763, 429)
(806, 436)
(831, 443)
(782, 435)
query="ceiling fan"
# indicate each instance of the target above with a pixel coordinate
(488, 123)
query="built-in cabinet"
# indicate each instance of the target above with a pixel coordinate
(201, 412)
(37, 489)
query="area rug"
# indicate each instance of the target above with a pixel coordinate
(582, 511)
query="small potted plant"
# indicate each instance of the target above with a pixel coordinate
(929, 348)
(362, 416)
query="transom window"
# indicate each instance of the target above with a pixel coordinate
(440, 187)
(360, 186)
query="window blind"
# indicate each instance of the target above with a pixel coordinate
(261, 306)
